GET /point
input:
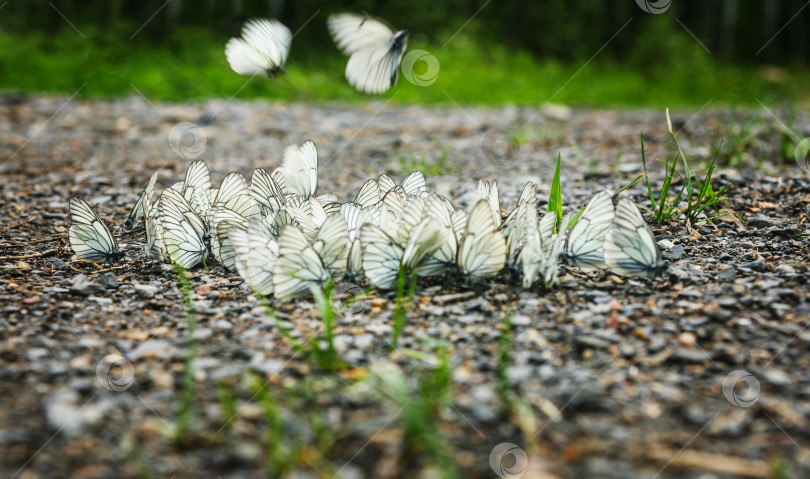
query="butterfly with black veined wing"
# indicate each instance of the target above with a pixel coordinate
(185, 234)
(482, 250)
(89, 237)
(630, 248)
(374, 51)
(584, 245)
(155, 248)
(552, 261)
(298, 266)
(263, 48)
(144, 202)
(256, 253)
(300, 169)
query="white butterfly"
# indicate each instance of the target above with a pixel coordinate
(89, 237)
(155, 248)
(585, 242)
(374, 51)
(300, 169)
(263, 48)
(382, 255)
(196, 187)
(482, 250)
(185, 234)
(630, 247)
(144, 203)
(489, 192)
(298, 267)
(552, 262)
(222, 221)
(256, 253)
(266, 191)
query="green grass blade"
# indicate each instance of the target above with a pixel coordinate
(555, 196)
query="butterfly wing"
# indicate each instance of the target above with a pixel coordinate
(263, 48)
(353, 33)
(482, 253)
(300, 169)
(298, 266)
(630, 247)
(381, 256)
(584, 245)
(184, 232)
(89, 237)
(144, 202)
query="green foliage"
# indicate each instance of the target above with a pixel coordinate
(188, 63)
(555, 195)
(410, 162)
(279, 460)
(699, 194)
(505, 359)
(421, 405)
(188, 385)
(402, 303)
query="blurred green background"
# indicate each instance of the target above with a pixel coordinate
(578, 52)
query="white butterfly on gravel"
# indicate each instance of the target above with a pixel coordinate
(89, 237)
(262, 49)
(256, 251)
(482, 251)
(300, 169)
(374, 51)
(185, 234)
(630, 247)
(584, 245)
(144, 202)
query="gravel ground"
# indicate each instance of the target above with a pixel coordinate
(609, 377)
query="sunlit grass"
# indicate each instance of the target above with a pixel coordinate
(190, 65)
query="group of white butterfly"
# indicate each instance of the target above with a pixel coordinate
(374, 49)
(284, 239)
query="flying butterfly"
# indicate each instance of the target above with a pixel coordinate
(263, 48)
(630, 247)
(374, 51)
(89, 237)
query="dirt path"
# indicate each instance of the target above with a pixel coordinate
(607, 377)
